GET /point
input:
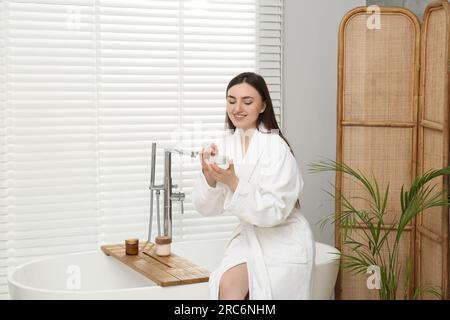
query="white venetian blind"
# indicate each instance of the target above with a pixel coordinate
(3, 183)
(50, 119)
(138, 102)
(219, 42)
(87, 85)
(269, 57)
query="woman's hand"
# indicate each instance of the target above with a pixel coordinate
(227, 176)
(205, 154)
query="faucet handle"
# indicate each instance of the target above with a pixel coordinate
(179, 196)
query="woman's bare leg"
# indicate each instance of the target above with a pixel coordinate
(234, 283)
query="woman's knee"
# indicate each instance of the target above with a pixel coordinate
(229, 282)
(234, 283)
(232, 290)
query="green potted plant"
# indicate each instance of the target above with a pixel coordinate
(380, 244)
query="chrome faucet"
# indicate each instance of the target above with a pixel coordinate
(169, 195)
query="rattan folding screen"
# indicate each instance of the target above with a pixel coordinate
(392, 120)
(431, 245)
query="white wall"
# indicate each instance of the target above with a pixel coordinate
(309, 97)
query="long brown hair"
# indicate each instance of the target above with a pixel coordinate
(267, 117)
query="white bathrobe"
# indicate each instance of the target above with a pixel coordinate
(273, 237)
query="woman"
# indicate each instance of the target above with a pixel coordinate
(271, 253)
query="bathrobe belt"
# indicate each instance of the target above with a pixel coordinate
(259, 277)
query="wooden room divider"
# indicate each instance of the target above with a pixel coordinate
(392, 121)
(432, 247)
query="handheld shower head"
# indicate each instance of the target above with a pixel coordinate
(192, 154)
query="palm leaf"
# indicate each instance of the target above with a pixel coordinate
(434, 290)
(370, 220)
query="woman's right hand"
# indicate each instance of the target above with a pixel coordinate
(205, 154)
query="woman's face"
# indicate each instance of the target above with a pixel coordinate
(244, 104)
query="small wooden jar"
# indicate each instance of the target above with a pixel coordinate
(132, 246)
(163, 245)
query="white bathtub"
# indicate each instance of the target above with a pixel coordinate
(93, 275)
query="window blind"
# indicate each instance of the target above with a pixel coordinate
(51, 194)
(3, 178)
(87, 85)
(269, 53)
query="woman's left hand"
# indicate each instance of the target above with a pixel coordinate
(227, 176)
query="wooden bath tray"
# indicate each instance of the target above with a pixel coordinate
(165, 271)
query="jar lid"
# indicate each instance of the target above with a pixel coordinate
(132, 241)
(163, 240)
